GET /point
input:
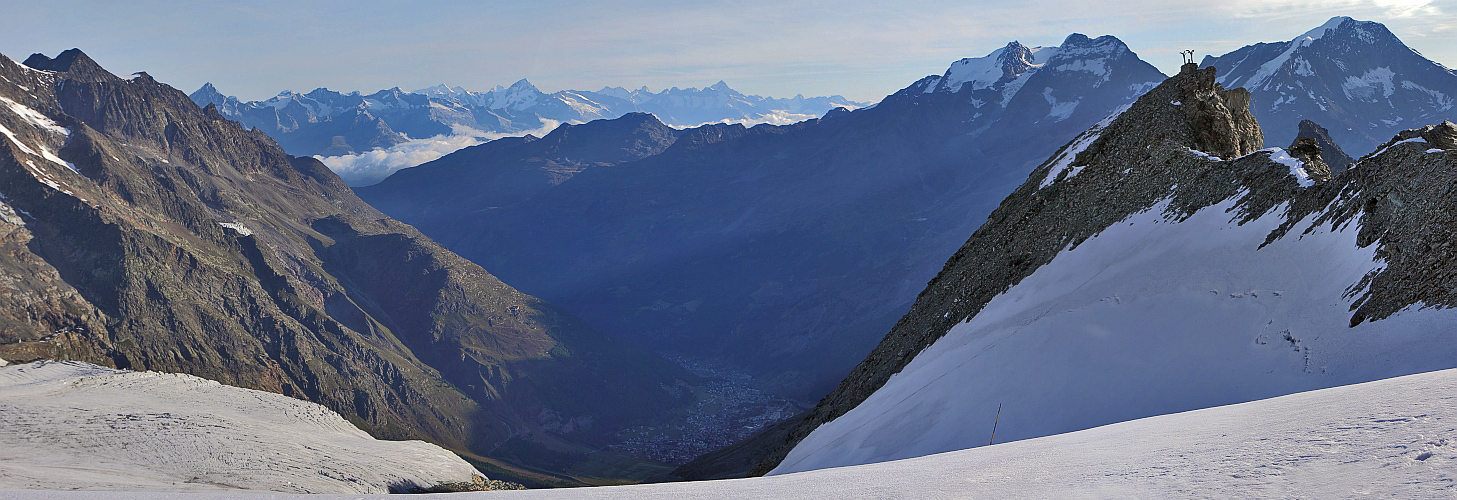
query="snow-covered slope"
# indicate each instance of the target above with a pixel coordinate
(1396, 438)
(1353, 77)
(76, 426)
(1152, 316)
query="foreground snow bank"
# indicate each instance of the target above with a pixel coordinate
(77, 426)
(1155, 315)
(1396, 438)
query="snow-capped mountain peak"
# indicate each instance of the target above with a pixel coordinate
(999, 67)
(443, 90)
(209, 94)
(1000, 76)
(518, 96)
(1268, 69)
(343, 126)
(1094, 56)
(1354, 76)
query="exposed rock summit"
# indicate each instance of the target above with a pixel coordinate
(1220, 119)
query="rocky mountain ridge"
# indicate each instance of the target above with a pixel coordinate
(330, 123)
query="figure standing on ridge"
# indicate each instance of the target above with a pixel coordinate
(1189, 64)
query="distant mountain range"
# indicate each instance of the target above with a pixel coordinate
(790, 250)
(329, 123)
(786, 250)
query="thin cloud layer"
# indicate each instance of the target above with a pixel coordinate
(370, 167)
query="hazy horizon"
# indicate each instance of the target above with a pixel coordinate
(861, 50)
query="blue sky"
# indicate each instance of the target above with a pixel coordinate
(860, 49)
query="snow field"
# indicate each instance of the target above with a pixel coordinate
(76, 426)
(1394, 438)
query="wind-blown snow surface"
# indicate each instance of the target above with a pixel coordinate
(76, 426)
(1149, 317)
(1395, 438)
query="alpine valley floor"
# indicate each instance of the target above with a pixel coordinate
(1392, 438)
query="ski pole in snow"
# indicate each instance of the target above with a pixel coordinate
(994, 424)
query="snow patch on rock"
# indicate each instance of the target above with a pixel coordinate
(1366, 86)
(237, 227)
(1441, 101)
(1080, 143)
(1297, 169)
(35, 117)
(1061, 110)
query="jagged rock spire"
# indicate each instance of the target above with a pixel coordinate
(1308, 151)
(1220, 119)
(76, 64)
(1330, 153)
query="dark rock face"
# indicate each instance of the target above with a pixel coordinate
(1400, 194)
(1441, 136)
(786, 250)
(1165, 140)
(143, 232)
(1309, 153)
(1220, 119)
(1330, 153)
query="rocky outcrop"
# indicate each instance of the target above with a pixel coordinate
(1220, 119)
(1330, 153)
(1400, 195)
(155, 235)
(1309, 152)
(1441, 136)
